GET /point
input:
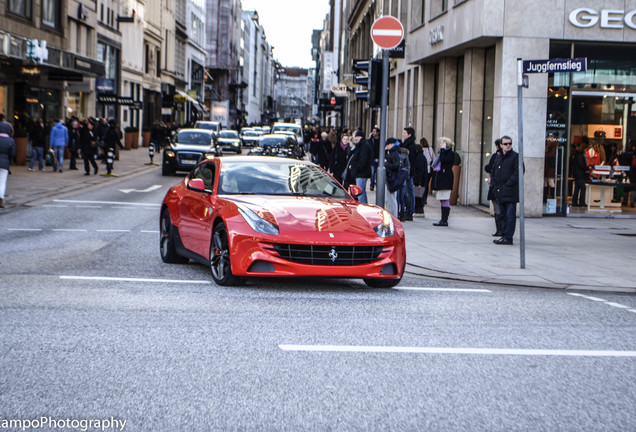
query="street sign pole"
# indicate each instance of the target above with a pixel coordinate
(387, 32)
(522, 219)
(381, 174)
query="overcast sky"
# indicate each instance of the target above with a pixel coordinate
(288, 26)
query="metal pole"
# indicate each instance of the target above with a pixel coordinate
(381, 174)
(522, 219)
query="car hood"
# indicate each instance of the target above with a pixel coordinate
(228, 140)
(299, 216)
(191, 147)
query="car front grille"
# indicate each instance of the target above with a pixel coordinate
(328, 255)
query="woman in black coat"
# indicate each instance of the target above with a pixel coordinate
(442, 180)
(88, 145)
(338, 158)
(420, 179)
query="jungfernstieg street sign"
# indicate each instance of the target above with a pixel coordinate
(387, 32)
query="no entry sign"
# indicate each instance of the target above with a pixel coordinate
(387, 32)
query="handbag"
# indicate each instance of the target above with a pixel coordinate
(419, 191)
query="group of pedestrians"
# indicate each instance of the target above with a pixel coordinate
(87, 138)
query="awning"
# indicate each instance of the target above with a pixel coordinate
(183, 96)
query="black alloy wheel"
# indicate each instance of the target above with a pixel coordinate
(166, 241)
(220, 265)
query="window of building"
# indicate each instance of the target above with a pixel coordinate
(147, 58)
(20, 7)
(417, 13)
(438, 7)
(459, 102)
(51, 13)
(487, 139)
(158, 59)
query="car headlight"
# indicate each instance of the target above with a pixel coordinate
(257, 223)
(386, 227)
(170, 153)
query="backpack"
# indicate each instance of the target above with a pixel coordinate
(394, 183)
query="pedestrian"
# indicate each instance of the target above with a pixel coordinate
(157, 135)
(102, 130)
(338, 159)
(374, 139)
(88, 144)
(506, 176)
(419, 180)
(430, 156)
(320, 150)
(112, 141)
(408, 136)
(581, 173)
(38, 140)
(402, 194)
(7, 152)
(73, 143)
(360, 163)
(394, 182)
(491, 189)
(58, 141)
(442, 178)
(2, 120)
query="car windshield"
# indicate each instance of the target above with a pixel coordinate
(228, 134)
(278, 141)
(277, 178)
(209, 126)
(292, 129)
(250, 134)
(193, 137)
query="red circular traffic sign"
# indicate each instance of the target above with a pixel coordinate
(387, 32)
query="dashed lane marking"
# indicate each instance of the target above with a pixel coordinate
(442, 289)
(111, 279)
(457, 351)
(608, 303)
(108, 203)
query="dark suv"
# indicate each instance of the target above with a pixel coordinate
(187, 148)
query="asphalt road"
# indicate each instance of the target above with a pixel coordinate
(96, 326)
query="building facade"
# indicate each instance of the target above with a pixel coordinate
(459, 79)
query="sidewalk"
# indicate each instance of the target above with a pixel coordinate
(561, 253)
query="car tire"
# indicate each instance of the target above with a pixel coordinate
(167, 247)
(165, 171)
(382, 283)
(220, 265)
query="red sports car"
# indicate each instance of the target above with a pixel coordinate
(267, 216)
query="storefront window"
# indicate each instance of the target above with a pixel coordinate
(487, 141)
(590, 113)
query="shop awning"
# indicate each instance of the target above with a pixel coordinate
(183, 96)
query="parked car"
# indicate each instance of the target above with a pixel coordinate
(229, 140)
(275, 217)
(250, 137)
(187, 148)
(278, 145)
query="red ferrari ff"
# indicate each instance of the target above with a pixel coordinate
(268, 216)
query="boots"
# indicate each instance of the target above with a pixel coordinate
(444, 220)
(498, 226)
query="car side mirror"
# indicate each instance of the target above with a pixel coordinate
(196, 185)
(355, 191)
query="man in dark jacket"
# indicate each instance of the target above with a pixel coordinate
(374, 140)
(506, 184)
(360, 165)
(581, 173)
(491, 190)
(408, 136)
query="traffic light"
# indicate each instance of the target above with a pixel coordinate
(368, 75)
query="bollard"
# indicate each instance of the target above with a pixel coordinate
(151, 153)
(110, 155)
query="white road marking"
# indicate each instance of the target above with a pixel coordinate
(88, 206)
(150, 231)
(587, 297)
(24, 229)
(148, 189)
(105, 278)
(632, 310)
(114, 230)
(69, 230)
(617, 305)
(462, 351)
(51, 205)
(109, 203)
(442, 289)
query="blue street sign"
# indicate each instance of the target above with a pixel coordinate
(555, 65)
